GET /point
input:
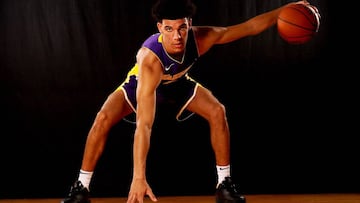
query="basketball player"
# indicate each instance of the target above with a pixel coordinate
(160, 75)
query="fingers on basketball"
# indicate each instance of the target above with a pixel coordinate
(298, 23)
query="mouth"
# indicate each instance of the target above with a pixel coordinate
(179, 45)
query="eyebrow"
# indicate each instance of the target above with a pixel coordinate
(181, 26)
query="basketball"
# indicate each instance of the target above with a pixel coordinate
(298, 23)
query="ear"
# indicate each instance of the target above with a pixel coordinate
(190, 22)
(158, 24)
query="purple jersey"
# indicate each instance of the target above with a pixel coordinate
(177, 89)
(173, 69)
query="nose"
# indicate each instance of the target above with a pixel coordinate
(177, 35)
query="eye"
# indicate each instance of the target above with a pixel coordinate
(168, 29)
(183, 29)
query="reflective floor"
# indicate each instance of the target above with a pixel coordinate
(258, 198)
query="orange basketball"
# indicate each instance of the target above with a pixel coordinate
(298, 23)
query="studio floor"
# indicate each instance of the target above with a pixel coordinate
(255, 198)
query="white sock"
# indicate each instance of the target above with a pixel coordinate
(222, 172)
(85, 178)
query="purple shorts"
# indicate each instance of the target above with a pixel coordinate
(174, 96)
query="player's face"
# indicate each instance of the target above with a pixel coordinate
(175, 34)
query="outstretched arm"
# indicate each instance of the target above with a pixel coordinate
(207, 36)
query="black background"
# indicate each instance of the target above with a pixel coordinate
(289, 106)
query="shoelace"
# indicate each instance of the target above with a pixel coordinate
(76, 188)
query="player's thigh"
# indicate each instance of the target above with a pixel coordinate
(203, 103)
(116, 106)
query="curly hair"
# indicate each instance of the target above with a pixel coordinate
(173, 9)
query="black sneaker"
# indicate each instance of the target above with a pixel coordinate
(78, 194)
(227, 192)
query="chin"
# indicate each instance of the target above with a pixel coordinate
(176, 51)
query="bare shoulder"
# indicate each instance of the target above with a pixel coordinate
(147, 61)
(207, 36)
(201, 31)
(144, 52)
(146, 55)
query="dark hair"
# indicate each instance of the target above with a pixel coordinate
(173, 9)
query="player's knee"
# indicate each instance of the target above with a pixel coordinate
(218, 113)
(101, 118)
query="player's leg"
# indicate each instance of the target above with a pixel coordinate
(113, 110)
(208, 106)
